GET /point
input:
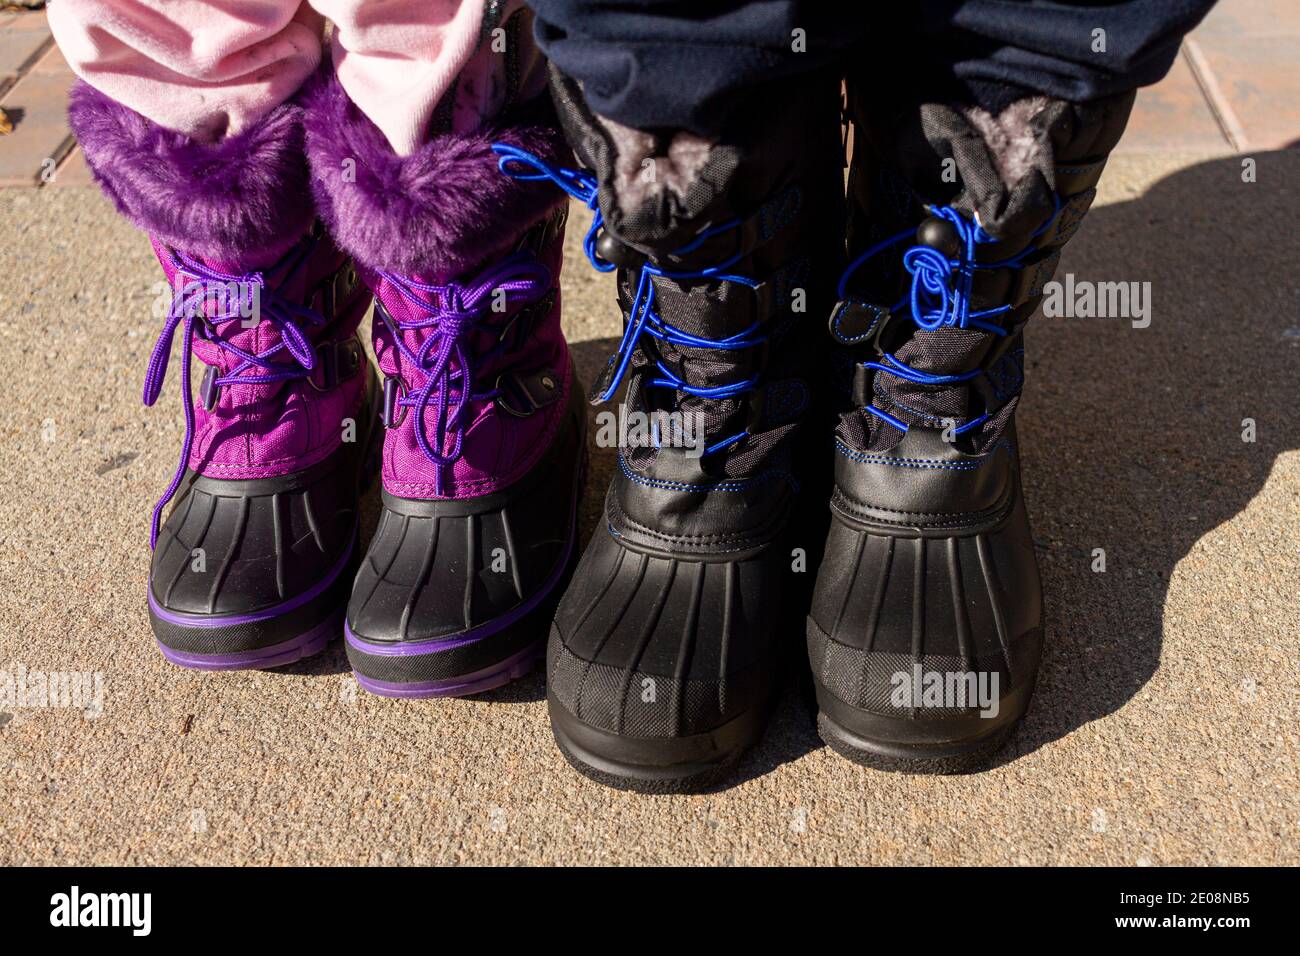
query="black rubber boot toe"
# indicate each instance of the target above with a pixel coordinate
(454, 596)
(256, 573)
(659, 668)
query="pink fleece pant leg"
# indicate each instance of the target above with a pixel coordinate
(209, 69)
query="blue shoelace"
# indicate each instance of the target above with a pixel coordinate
(940, 297)
(642, 317)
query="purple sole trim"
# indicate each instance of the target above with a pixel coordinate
(276, 655)
(463, 685)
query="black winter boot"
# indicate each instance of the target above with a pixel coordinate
(661, 660)
(926, 627)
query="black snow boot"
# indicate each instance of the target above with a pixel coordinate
(926, 627)
(661, 659)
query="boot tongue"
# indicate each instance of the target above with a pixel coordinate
(716, 311)
(721, 214)
(477, 339)
(242, 297)
(449, 342)
(943, 352)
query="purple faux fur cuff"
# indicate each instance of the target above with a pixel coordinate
(436, 213)
(243, 199)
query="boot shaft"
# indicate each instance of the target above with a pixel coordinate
(721, 249)
(267, 304)
(476, 370)
(930, 567)
(957, 222)
(464, 263)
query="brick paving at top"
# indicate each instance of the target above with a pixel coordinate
(1234, 88)
(23, 38)
(41, 140)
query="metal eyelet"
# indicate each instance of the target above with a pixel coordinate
(326, 373)
(349, 285)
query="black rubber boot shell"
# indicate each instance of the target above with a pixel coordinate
(454, 596)
(660, 666)
(256, 573)
(944, 579)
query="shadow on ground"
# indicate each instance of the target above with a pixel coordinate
(1133, 437)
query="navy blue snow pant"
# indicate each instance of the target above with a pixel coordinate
(689, 64)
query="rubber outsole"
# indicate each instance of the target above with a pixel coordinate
(701, 782)
(276, 655)
(465, 685)
(970, 757)
(666, 765)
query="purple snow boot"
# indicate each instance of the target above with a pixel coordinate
(253, 566)
(484, 426)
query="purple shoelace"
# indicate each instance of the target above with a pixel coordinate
(188, 305)
(452, 313)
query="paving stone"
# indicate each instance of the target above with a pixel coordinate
(37, 105)
(53, 64)
(18, 48)
(1241, 18)
(33, 20)
(1173, 115)
(1255, 82)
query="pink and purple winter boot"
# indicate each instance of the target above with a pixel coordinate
(254, 564)
(483, 420)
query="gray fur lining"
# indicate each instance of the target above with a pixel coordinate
(1014, 142)
(640, 173)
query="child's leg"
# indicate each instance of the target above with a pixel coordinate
(968, 105)
(401, 60)
(257, 558)
(210, 69)
(187, 120)
(483, 420)
(979, 139)
(647, 64)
